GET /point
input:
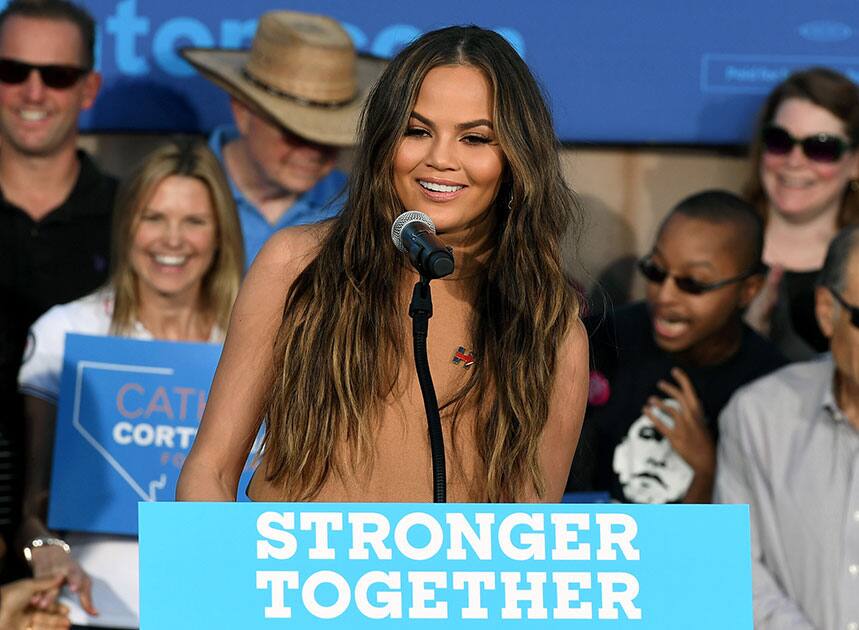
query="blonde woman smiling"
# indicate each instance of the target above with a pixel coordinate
(177, 266)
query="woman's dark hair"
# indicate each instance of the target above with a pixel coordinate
(341, 341)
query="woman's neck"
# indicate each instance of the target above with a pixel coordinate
(471, 249)
(175, 318)
(798, 246)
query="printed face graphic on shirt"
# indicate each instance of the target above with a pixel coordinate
(650, 471)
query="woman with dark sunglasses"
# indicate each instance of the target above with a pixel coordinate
(805, 183)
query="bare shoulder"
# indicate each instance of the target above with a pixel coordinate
(284, 256)
(572, 373)
(289, 251)
(570, 387)
(259, 306)
(573, 353)
(566, 412)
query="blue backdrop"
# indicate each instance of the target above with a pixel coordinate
(616, 71)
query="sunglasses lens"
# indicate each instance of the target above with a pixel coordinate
(13, 72)
(60, 77)
(651, 272)
(57, 77)
(777, 141)
(688, 285)
(853, 310)
(823, 148)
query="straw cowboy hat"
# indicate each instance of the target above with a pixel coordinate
(301, 70)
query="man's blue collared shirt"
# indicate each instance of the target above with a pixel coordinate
(321, 202)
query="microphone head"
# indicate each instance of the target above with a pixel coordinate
(404, 219)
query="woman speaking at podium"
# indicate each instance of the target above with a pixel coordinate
(318, 344)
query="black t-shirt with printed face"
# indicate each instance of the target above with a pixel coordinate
(620, 451)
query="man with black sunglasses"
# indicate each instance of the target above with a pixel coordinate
(790, 449)
(663, 369)
(55, 207)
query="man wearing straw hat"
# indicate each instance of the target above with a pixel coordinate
(295, 97)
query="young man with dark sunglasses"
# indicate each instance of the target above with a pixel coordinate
(790, 449)
(55, 204)
(663, 369)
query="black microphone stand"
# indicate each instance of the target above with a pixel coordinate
(420, 310)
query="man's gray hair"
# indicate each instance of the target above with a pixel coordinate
(834, 272)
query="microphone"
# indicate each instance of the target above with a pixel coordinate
(414, 234)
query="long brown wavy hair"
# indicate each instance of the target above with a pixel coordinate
(186, 158)
(825, 88)
(339, 346)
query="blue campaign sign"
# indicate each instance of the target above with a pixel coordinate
(616, 72)
(429, 566)
(127, 416)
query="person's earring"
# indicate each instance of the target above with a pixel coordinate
(854, 185)
(510, 201)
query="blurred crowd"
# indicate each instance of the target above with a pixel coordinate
(735, 380)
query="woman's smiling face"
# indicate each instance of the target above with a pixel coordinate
(449, 164)
(798, 188)
(175, 238)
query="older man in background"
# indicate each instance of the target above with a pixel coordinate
(790, 449)
(295, 97)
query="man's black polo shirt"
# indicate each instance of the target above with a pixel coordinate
(64, 255)
(57, 259)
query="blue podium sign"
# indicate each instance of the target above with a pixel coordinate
(257, 566)
(128, 413)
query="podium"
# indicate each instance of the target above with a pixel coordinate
(323, 565)
(128, 411)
